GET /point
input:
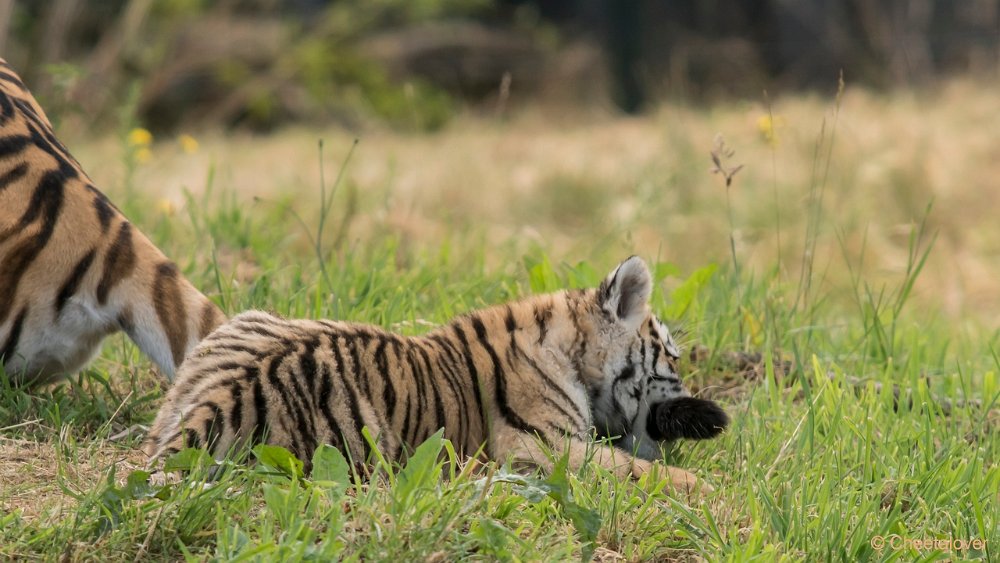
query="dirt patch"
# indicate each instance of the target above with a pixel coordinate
(39, 479)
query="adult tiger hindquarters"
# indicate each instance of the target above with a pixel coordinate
(516, 379)
(72, 268)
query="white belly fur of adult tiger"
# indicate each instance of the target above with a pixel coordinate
(516, 379)
(72, 268)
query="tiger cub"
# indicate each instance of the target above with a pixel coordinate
(72, 269)
(516, 379)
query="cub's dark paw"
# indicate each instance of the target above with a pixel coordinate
(686, 417)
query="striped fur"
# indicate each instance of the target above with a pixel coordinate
(72, 268)
(515, 379)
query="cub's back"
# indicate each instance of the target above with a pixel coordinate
(249, 341)
(259, 370)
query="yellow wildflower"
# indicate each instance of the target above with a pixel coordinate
(754, 329)
(188, 143)
(767, 125)
(166, 207)
(143, 154)
(140, 137)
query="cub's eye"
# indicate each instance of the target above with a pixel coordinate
(672, 350)
(663, 377)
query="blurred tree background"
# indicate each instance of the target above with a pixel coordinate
(414, 63)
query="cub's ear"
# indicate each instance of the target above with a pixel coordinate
(624, 294)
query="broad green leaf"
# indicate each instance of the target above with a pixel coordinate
(188, 459)
(281, 502)
(279, 458)
(330, 470)
(531, 489)
(422, 469)
(137, 485)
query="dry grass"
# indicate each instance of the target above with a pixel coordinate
(36, 477)
(524, 179)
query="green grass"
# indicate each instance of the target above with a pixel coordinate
(814, 466)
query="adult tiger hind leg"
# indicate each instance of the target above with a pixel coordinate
(73, 269)
(528, 450)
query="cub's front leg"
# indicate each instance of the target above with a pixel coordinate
(642, 446)
(526, 450)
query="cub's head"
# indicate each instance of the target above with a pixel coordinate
(631, 366)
